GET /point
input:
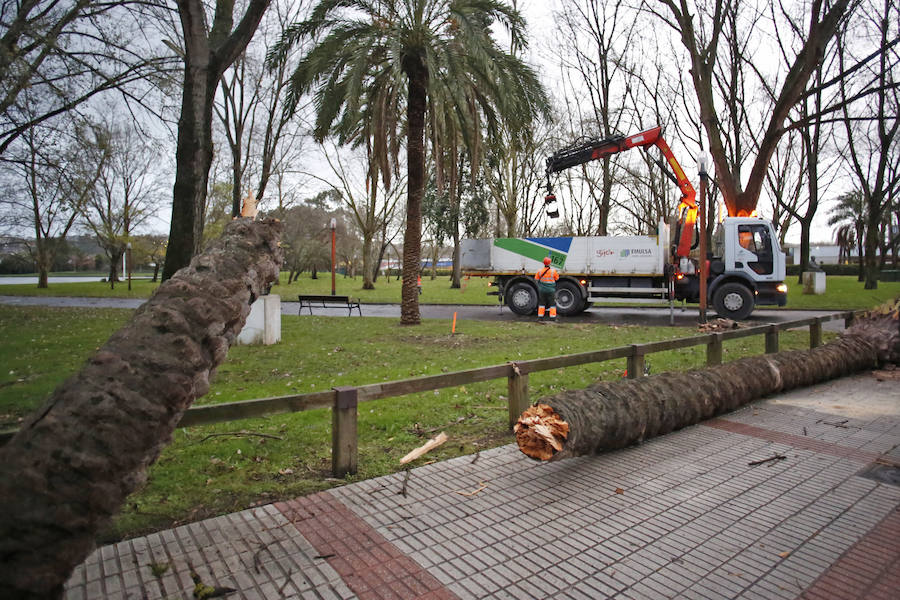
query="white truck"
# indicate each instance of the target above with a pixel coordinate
(746, 266)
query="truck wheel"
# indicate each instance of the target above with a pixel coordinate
(568, 299)
(522, 298)
(733, 301)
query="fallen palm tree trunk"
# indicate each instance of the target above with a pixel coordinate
(610, 415)
(72, 464)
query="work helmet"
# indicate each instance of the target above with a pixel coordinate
(547, 261)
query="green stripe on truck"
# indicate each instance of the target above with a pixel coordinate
(531, 250)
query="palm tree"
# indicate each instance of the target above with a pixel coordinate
(851, 209)
(376, 61)
(845, 238)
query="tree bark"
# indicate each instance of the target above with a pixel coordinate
(73, 463)
(367, 266)
(805, 228)
(206, 58)
(870, 260)
(610, 415)
(417, 75)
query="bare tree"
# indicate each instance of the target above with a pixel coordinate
(123, 198)
(873, 147)
(646, 182)
(817, 164)
(785, 181)
(594, 54)
(371, 207)
(207, 53)
(706, 40)
(241, 86)
(47, 180)
(514, 174)
(66, 53)
(250, 107)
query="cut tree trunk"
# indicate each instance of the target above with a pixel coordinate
(73, 463)
(610, 415)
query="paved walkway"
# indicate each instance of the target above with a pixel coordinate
(601, 315)
(681, 516)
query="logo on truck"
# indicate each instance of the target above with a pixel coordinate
(636, 251)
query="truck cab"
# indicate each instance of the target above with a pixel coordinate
(746, 269)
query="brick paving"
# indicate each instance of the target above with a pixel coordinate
(681, 516)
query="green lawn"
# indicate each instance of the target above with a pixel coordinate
(199, 476)
(843, 292)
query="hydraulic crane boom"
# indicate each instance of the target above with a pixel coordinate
(578, 154)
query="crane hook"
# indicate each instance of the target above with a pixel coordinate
(550, 201)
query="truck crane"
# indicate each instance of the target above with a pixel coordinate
(596, 149)
(746, 267)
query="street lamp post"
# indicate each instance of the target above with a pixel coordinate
(701, 213)
(128, 254)
(333, 227)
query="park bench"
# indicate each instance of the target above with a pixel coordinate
(326, 301)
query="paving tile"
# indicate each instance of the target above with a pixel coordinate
(695, 521)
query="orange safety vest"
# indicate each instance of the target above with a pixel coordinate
(548, 275)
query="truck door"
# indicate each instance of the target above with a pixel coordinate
(755, 251)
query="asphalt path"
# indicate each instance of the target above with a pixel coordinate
(601, 315)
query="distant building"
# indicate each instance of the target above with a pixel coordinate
(825, 254)
(442, 263)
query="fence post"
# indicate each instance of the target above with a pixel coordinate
(714, 350)
(772, 340)
(517, 391)
(849, 317)
(815, 333)
(635, 365)
(344, 442)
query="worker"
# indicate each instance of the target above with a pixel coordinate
(547, 278)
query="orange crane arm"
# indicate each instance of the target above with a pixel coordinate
(596, 149)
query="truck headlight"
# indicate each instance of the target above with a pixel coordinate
(781, 288)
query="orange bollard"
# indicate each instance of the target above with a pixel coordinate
(453, 329)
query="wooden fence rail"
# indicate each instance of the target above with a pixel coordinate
(344, 400)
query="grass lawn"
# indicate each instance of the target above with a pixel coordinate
(217, 469)
(843, 292)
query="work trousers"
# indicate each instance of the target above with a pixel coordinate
(546, 299)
